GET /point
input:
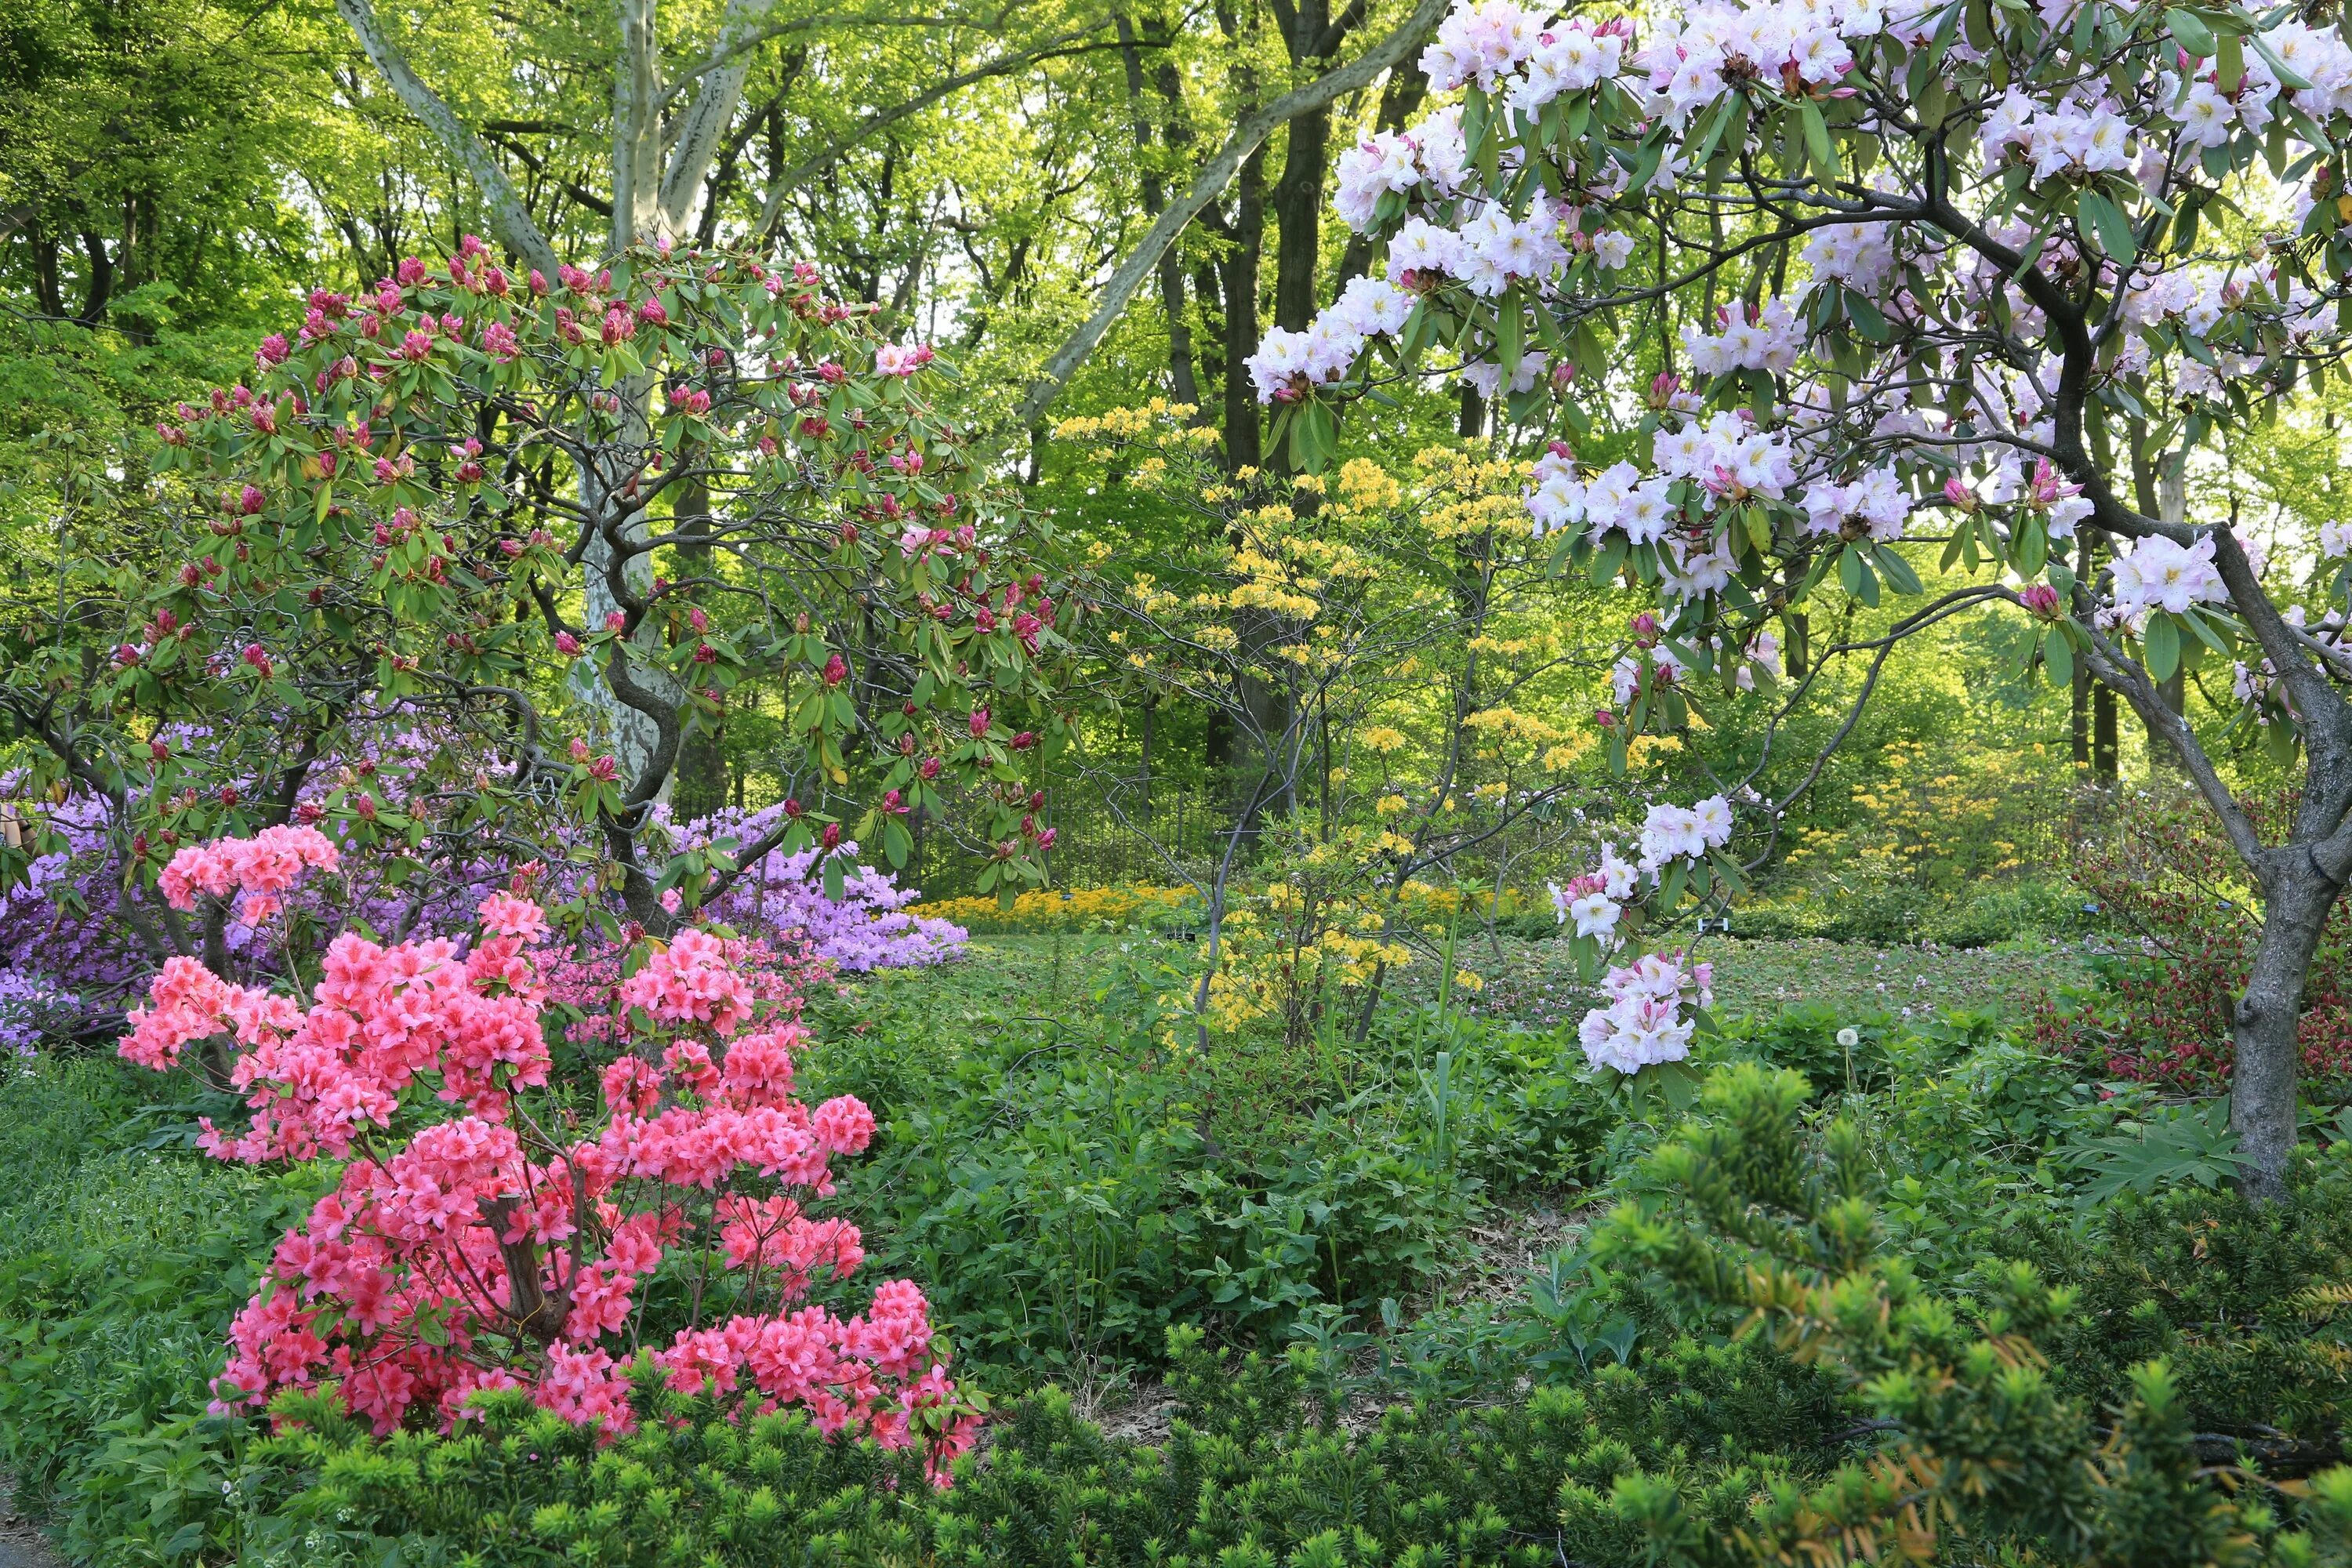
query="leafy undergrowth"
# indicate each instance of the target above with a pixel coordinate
(1438, 1223)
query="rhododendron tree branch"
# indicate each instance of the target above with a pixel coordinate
(1243, 139)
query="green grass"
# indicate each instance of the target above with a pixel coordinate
(1528, 982)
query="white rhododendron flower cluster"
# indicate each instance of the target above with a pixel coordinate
(1644, 1022)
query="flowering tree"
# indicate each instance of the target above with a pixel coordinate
(1981, 275)
(397, 507)
(486, 1233)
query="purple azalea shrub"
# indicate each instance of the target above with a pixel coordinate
(866, 928)
(34, 1009)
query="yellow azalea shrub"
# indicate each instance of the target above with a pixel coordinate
(1053, 909)
(1941, 820)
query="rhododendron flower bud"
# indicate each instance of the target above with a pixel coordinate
(835, 670)
(250, 500)
(566, 643)
(652, 314)
(1024, 740)
(2040, 599)
(794, 809)
(1956, 491)
(929, 768)
(538, 281)
(1645, 630)
(979, 722)
(832, 836)
(1047, 836)
(605, 769)
(365, 803)
(705, 654)
(617, 621)
(308, 812)
(578, 750)
(1605, 718)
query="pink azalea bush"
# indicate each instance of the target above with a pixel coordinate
(510, 1240)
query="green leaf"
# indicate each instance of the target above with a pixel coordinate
(1897, 571)
(2105, 219)
(2191, 32)
(2059, 655)
(1817, 137)
(2230, 63)
(2162, 644)
(2030, 545)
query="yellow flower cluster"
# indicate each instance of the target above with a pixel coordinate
(1052, 909)
(1939, 818)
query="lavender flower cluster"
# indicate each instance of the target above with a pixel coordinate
(866, 928)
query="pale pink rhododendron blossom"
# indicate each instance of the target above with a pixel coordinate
(501, 1243)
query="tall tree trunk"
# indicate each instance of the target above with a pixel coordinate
(2262, 1083)
(1299, 195)
(1183, 385)
(1238, 272)
(701, 784)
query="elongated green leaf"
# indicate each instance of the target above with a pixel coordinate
(1817, 137)
(2105, 219)
(2059, 655)
(2161, 643)
(1897, 571)
(2191, 32)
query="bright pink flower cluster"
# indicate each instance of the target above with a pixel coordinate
(259, 867)
(505, 1247)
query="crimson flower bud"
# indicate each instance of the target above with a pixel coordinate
(929, 768)
(833, 836)
(1024, 740)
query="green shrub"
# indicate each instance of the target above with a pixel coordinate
(122, 1257)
